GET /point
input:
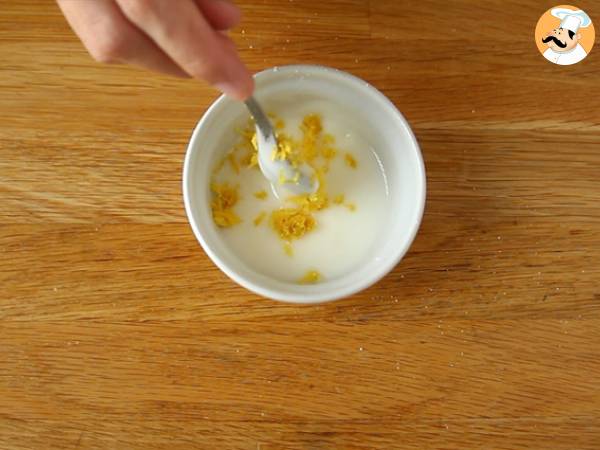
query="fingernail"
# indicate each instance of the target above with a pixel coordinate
(239, 89)
(230, 90)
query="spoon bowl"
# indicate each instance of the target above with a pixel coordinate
(298, 180)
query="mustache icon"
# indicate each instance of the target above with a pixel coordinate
(555, 40)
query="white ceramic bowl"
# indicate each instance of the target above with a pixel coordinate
(379, 121)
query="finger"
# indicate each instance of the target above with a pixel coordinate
(221, 14)
(110, 38)
(182, 32)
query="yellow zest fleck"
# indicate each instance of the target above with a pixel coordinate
(282, 178)
(261, 195)
(225, 198)
(253, 160)
(312, 144)
(245, 160)
(314, 148)
(292, 223)
(311, 202)
(350, 161)
(288, 249)
(296, 178)
(219, 166)
(259, 219)
(311, 128)
(316, 201)
(249, 141)
(233, 163)
(285, 150)
(310, 277)
(339, 199)
(250, 160)
(226, 218)
(246, 138)
(328, 153)
(311, 125)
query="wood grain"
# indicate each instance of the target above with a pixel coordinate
(116, 330)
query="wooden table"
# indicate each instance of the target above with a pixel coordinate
(117, 331)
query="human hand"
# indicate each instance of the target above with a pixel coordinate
(184, 38)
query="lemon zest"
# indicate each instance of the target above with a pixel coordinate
(261, 195)
(313, 148)
(350, 161)
(259, 219)
(310, 277)
(233, 163)
(292, 223)
(282, 179)
(219, 166)
(339, 199)
(225, 197)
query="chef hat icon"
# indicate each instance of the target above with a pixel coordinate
(572, 19)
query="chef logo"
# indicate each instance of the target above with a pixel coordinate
(565, 35)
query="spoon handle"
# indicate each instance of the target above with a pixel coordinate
(261, 119)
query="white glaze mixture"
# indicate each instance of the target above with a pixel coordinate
(342, 238)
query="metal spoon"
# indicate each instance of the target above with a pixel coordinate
(275, 170)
